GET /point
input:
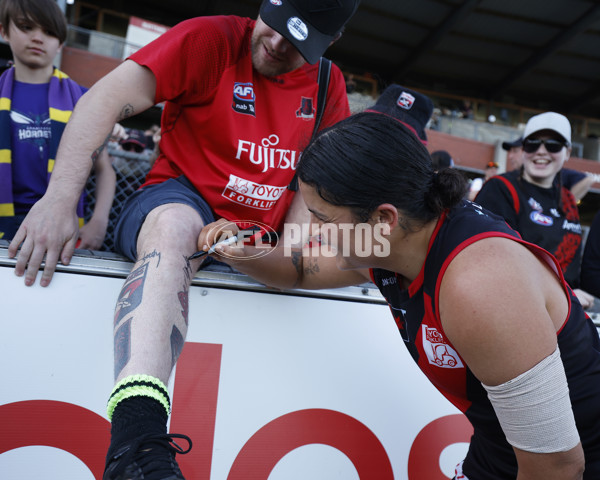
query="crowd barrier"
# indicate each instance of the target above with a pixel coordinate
(271, 385)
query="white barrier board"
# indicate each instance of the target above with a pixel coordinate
(269, 386)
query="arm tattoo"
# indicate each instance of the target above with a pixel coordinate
(96, 153)
(126, 112)
(297, 262)
(311, 267)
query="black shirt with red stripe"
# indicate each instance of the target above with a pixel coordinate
(547, 217)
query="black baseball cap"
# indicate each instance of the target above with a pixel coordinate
(441, 159)
(136, 137)
(407, 106)
(515, 143)
(309, 25)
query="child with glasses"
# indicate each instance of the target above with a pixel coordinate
(534, 201)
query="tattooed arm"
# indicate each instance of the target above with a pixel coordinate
(285, 266)
(51, 228)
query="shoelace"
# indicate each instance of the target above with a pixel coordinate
(153, 453)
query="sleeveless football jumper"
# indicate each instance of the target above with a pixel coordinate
(416, 312)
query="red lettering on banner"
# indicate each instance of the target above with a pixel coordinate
(66, 426)
(86, 435)
(195, 405)
(271, 443)
(424, 457)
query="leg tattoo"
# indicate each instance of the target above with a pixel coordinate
(131, 294)
(122, 346)
(177, 342)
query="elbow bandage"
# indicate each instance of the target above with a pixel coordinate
(534, 409)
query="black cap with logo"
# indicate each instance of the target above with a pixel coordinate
(309, 25)
(407, 106)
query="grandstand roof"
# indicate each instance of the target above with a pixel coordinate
(537, 53)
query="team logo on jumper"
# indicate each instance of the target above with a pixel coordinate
(541, 219)
(306, 110)
(405, 100)
(297, 28)
(277, 3)
(33, 129)
(438, 351)
(243, 98)
(250, 194)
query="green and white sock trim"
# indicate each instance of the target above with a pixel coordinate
(139, 385)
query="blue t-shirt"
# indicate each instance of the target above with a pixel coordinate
(30, 130)
(570, 177)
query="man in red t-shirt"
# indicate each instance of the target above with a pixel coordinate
(240, 100)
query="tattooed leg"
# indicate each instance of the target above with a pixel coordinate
(129, 299)
(151, 316)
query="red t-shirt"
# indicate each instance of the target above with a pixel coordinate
(234, 133)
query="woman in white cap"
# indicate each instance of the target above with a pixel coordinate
(533, 200)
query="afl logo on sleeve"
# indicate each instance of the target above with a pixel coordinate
(438, 351)
(243, 98)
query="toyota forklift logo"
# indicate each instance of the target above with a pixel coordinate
(438, 352)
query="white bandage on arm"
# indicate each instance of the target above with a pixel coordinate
(534, 409)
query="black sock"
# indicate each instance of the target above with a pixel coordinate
(137, 416)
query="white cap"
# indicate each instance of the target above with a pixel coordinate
(549, 121)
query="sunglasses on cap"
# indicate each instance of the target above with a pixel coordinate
(531, 145)
(128, 147)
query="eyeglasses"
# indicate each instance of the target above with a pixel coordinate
(553, 146)
(128, 147)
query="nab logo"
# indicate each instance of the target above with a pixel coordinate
(243, 98)
(244, 92)
(540, 219)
